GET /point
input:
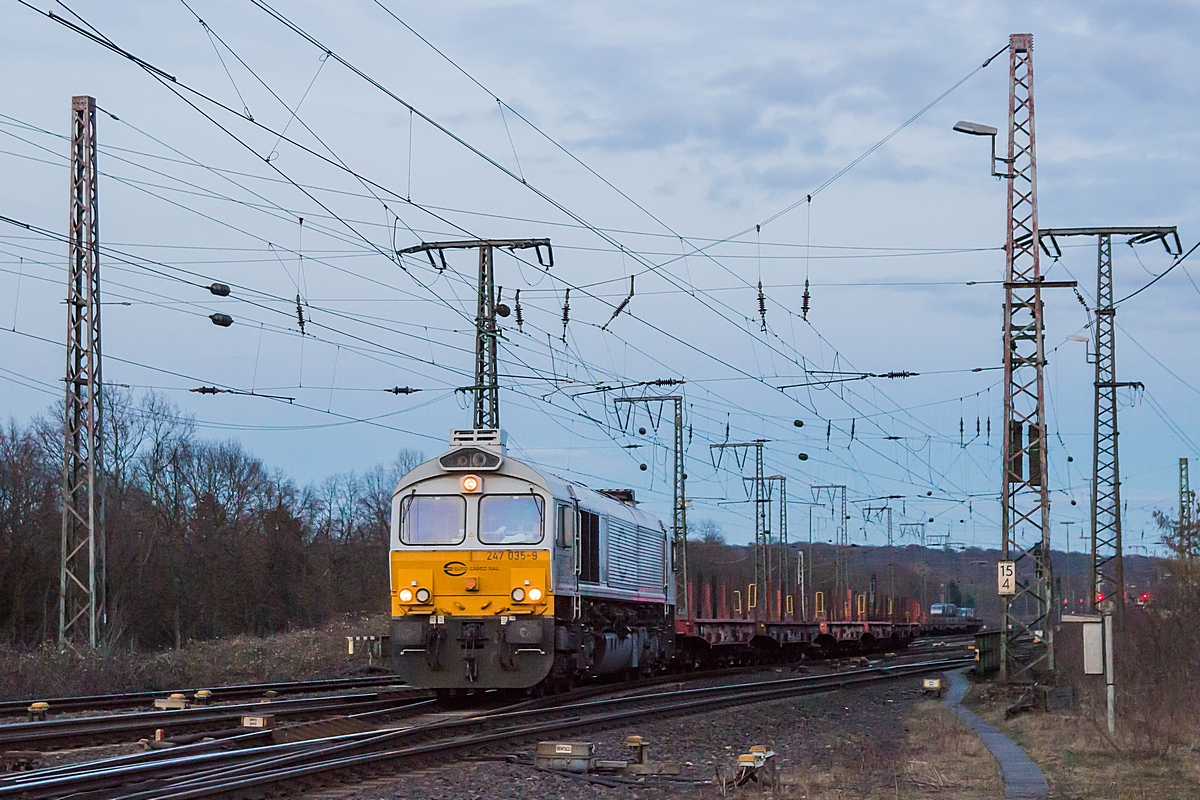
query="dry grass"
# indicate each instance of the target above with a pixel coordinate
(938, 757)
(1083, 763)
(946, 758)
(298, 655)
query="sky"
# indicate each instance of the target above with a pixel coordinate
(648, 141)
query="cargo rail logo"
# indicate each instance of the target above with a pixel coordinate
(454, 569)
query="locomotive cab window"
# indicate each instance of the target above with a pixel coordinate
(510, 519)
(433, 520)
(566, 525)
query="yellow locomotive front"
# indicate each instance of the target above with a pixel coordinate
(472, 588)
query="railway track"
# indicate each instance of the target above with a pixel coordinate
(108, 702)
(74, 731)
(241, 766)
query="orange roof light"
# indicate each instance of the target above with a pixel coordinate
(471, 483)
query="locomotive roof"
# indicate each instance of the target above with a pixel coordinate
(559, 487)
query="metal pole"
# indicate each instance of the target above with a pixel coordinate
(841, 580)
(1107, 570)
(1025, 498)
(891, 569)
(487, 387)
(1108, 579)
(844, 548)
(678, 501)
(760, 518)
(81, 611)
(761, 579)
(1186, 534)
(1108, 669)
(487, 390)
(784, 573)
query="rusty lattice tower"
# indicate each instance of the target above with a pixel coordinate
(82, 573)
(1028, 642)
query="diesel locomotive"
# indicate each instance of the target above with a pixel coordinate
(504, 576)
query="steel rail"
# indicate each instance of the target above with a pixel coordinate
(101, 702)
(705, 699)
(121, 726)
(223, 772)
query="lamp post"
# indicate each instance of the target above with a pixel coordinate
(977, 129)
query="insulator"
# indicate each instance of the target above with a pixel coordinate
(402, 390)
(960, 431)
(852, 429)
(762, 306)
(804, 302)
(219, 289)
(828, 431)
(520, 316)
(566, 313)
(977, 426)
(300, 314)
(223, 320)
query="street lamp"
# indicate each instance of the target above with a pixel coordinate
(976, 129)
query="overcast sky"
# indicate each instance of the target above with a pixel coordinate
(710, 117)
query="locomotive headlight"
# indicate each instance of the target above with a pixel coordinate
(518, 595)
(535, 594)
(471, 483)
(423, 595)
(406, 595)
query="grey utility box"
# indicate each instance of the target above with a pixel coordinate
(578, 757)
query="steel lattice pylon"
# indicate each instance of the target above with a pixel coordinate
(779, 566)
(841, 566)
(1108, 571)
(1025, 524)
(1187, 532)
(82, 573)
(487, 386)
(683, 609)
(761, 521)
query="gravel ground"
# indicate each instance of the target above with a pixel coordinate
(850, 741)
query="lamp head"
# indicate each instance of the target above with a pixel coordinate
(975, 129)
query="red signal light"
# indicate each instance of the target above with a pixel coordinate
(1099, 598)
(1145, 597)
